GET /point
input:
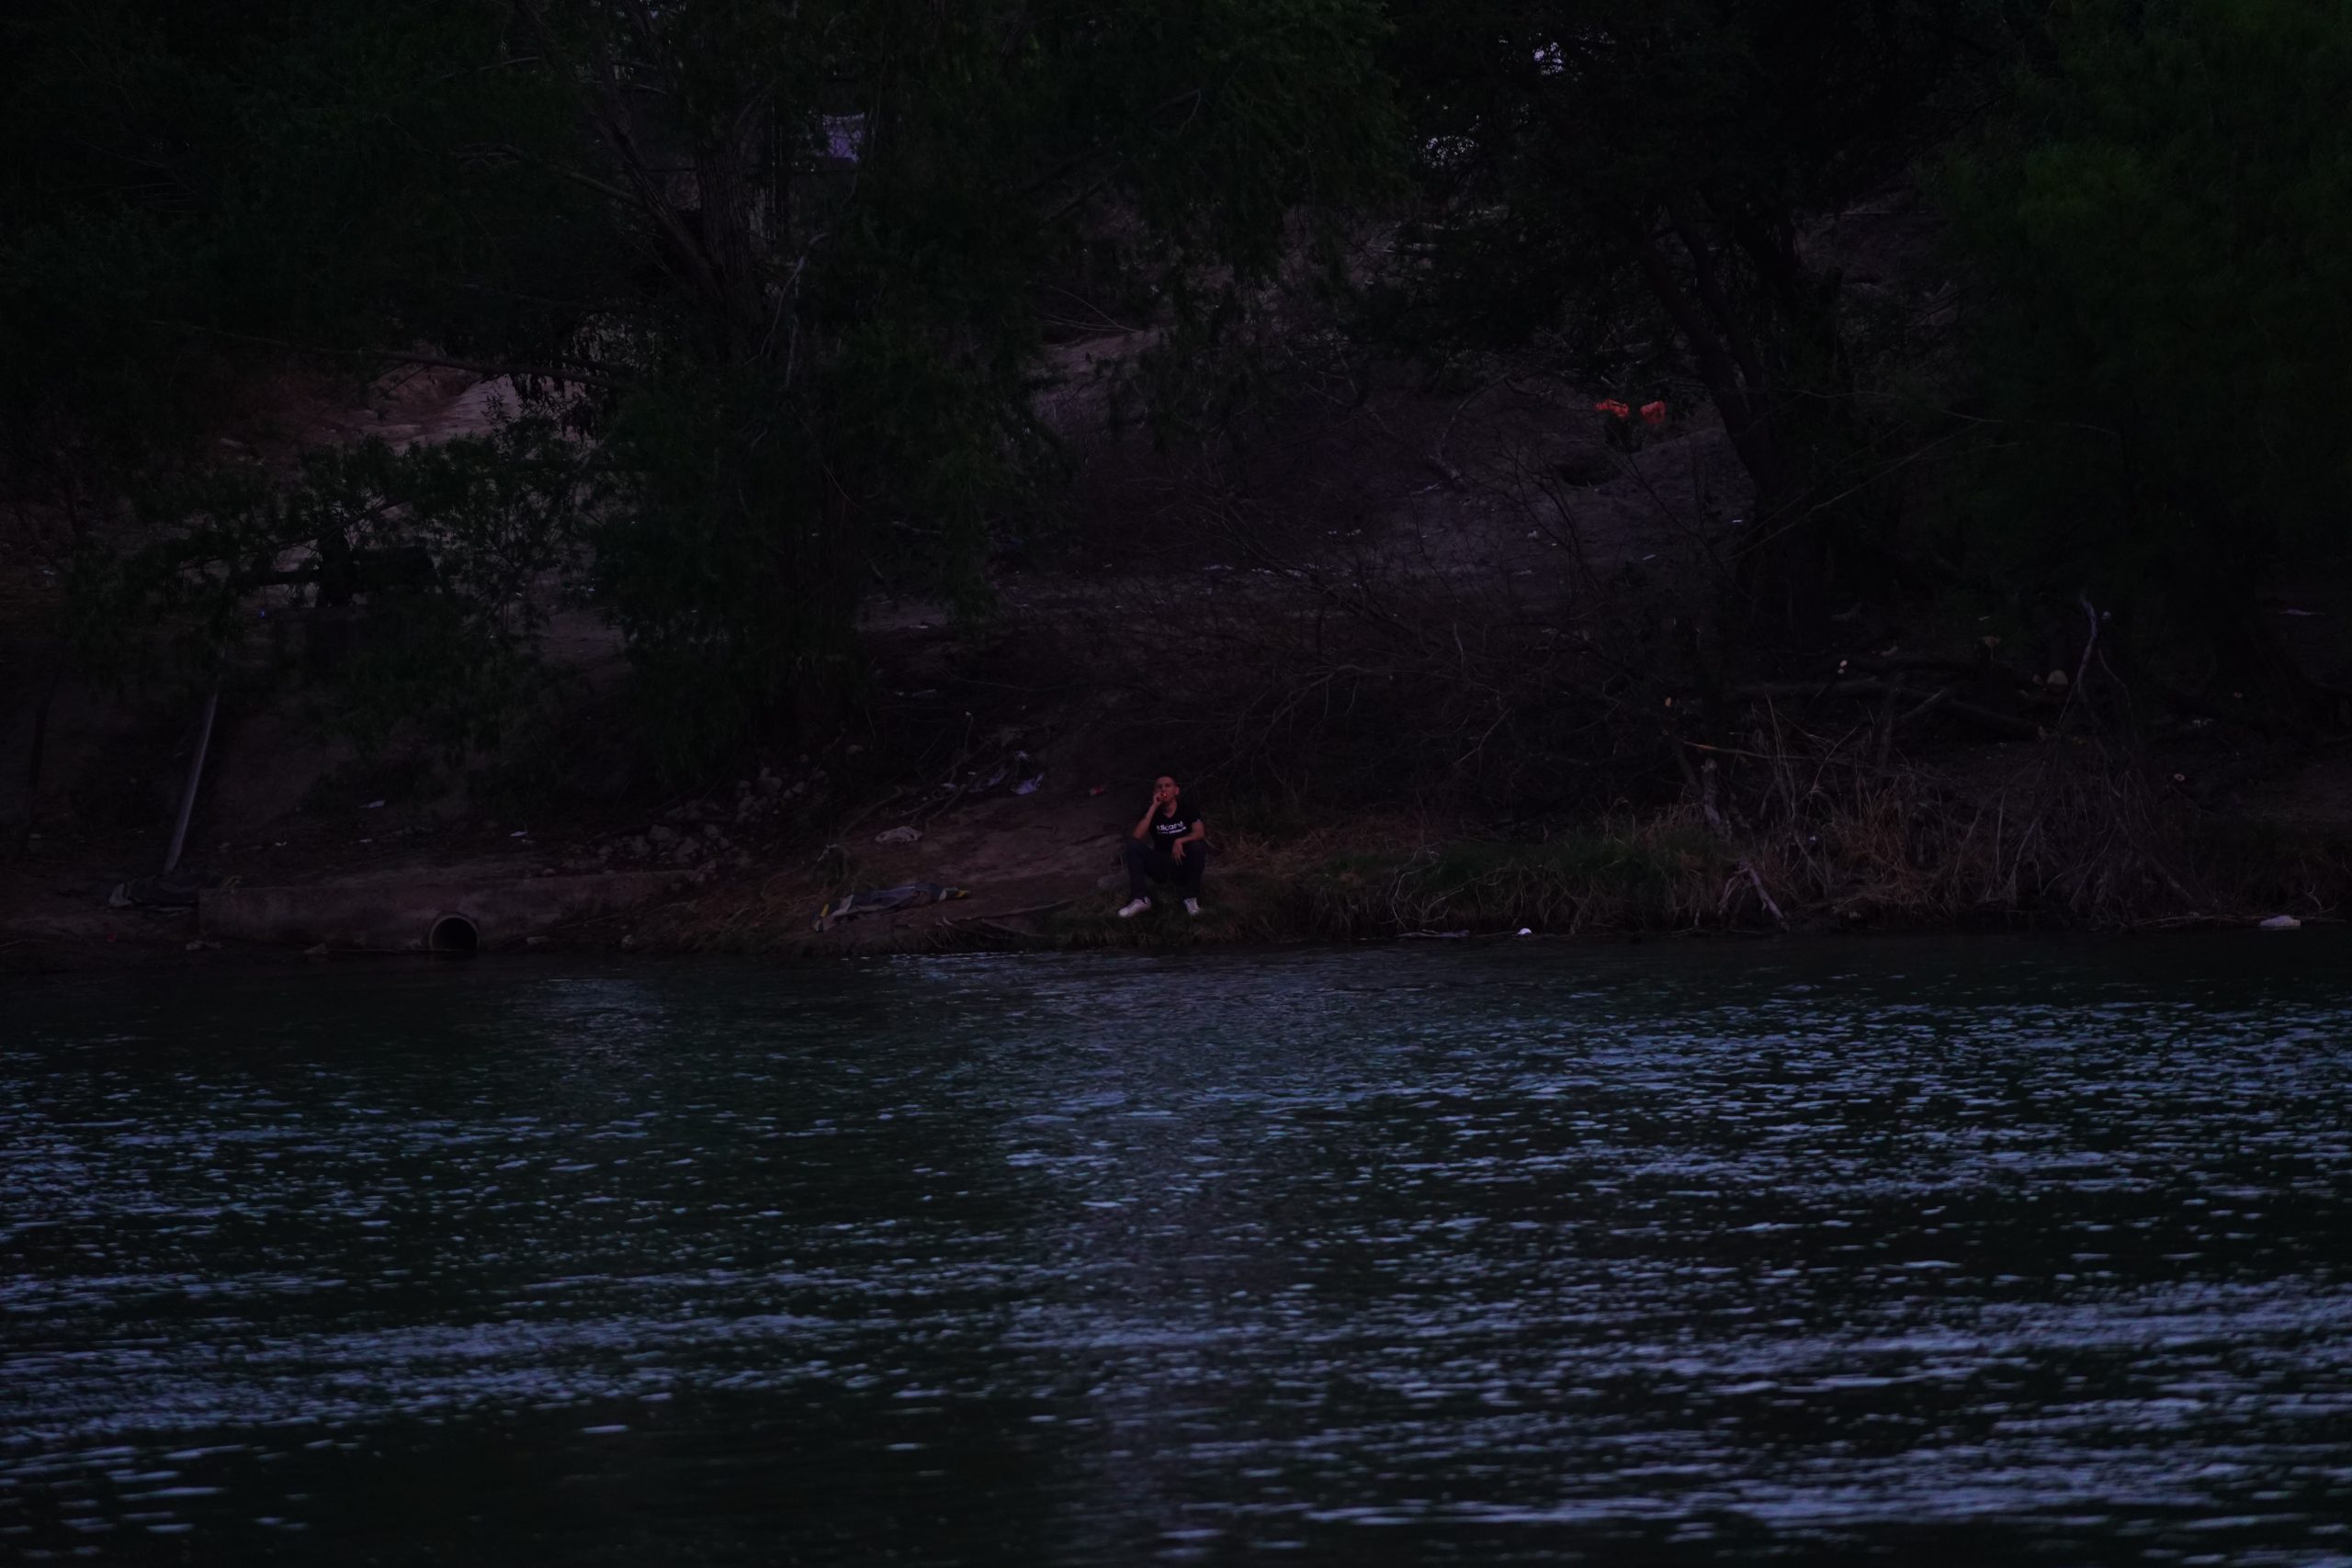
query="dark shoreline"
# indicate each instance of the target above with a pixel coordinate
(30, 957)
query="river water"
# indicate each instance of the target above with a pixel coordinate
(1957, 1251)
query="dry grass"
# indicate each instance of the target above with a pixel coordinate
(2072, 844)
(2075, 840)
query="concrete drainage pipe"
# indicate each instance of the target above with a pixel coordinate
(454, 934)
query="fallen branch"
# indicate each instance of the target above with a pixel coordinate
(2006, 724)
(1033, 909)
(971, 924)
(864, 813)
(1731, 885)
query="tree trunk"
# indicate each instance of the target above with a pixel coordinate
(33, 762)
(1782, 556)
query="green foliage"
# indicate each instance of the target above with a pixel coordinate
(191, 188)
(1646, 877)
(1561, 133)
(2163, 226)
(1639, 869)
(780, 264)
(1619, 187)
(420, 580)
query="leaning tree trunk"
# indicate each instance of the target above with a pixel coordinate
(1783, 560)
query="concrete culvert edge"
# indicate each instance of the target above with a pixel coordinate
(454, 934)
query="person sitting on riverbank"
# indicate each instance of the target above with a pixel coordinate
(1167, 845)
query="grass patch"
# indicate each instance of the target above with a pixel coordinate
(2255, 866)
(1629, 878)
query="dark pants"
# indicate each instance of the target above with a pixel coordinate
(1146, 865)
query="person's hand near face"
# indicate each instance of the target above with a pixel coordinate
(1163, 795)
(1163, 798)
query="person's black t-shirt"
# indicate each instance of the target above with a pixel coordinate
(1171, 823)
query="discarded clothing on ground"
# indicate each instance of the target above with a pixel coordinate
(885, 900)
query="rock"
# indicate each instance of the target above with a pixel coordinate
(2282, 923)
(661, 835)
(710, 831)
(898, 836)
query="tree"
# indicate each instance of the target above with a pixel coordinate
(1599, 172)
(2162, 226)
(778, 264)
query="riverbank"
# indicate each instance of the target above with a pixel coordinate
(1406, 705)
(1037, 872)
(1666, 877)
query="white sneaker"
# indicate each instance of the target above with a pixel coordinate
(1133, 907)
(1192, 906)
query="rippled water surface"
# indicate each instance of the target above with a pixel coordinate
(1994, 1251)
